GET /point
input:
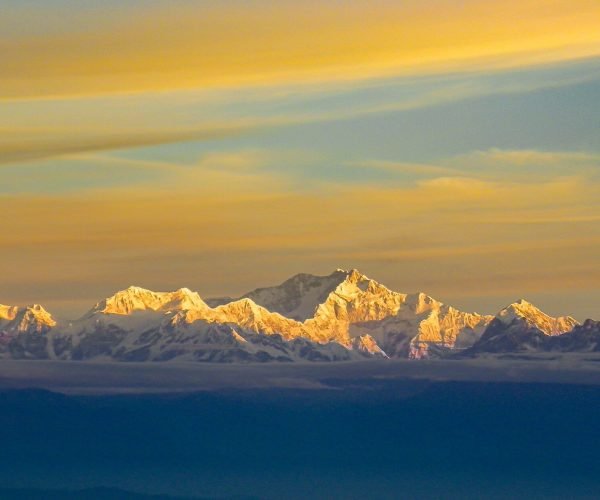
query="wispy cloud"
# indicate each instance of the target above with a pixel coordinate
(34, 130)
(136, 46)
(24, 147)
(527, 158)
(478, 171)
(399, 167)
(232, 222)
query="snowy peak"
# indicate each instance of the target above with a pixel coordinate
(420, 303)
(525, 312)
(519, 309)
(521, 327)
(354, 283)
(135, 298)
(358, 298)
(352, 275)
(35, 319)
(29, 319)
(242, 308)
(346, 305)
(299, 296)
(8, 312)
(583, 338)
(247, 314)
(303, 296)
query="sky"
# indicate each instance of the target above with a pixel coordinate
(444, 146)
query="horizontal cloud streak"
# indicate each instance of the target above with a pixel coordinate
(137, 46)
(496, 164)
(528, 158)
(29, 147)
(34, 129)
(216, 233)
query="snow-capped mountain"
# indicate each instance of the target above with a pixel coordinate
(298, 297)
(344, 315)
(583, 338)
(139, 299)
(521, 327)
(23, 331)
(341, 316)
(525, 313)
(141, 325)
(347, 304)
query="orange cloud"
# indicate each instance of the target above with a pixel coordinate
(214, 44)
(232, 229)
(24, 146)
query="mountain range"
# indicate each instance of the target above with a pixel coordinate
(342, 316)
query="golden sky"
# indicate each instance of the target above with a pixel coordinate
(446, 146)
(136, 46)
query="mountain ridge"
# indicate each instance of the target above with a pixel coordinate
(341, 316)
(521, 327)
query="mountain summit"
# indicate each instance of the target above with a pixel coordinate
(23, 331)
(521, 327)
(299, 296)
(139, 299)
(30, 319)
(523, 312)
